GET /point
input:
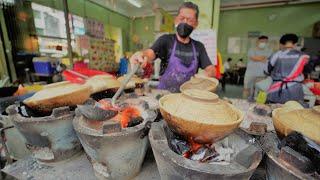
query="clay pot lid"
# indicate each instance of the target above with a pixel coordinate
(295, 117)
(201, 83)
(201, 106)
(102, 82)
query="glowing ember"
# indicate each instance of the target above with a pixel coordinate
(194, 148)
(125, 114)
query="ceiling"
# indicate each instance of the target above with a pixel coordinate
(127, 9)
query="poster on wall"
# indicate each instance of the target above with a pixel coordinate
(94, 28)
(209, 38)
(234, 45)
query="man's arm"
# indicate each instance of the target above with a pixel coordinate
(205, 62)
(258, 58)
(148, 55)
(253, 57)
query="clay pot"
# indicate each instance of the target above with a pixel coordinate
(200, 114)
(57, 96)
(293, 117)
(102, 82)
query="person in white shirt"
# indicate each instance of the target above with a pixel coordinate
(240, 64)
(226, 64)
(227, 68)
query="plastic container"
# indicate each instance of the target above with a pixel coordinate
(43, 65)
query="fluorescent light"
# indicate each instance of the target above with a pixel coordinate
(135, 3)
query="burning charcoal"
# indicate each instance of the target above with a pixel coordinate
(199, 155)
(135, 121)
(96, 113)
(176, 142)
(111, 127)
(26, 111)
(102, 95)
(304, 146)
(179, 146)
(204, 154)
(22, 110)
(159, 116)
(146, 129)
(210, 154)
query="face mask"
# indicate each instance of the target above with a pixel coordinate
(262, 45)
(184, 30)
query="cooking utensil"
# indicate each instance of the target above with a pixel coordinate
(123, 84)
(200, 115)
(96, 113)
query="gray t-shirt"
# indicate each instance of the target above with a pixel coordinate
(255, 68)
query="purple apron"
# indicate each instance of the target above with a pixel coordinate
(177, 73)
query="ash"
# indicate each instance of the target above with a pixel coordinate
(221, 152)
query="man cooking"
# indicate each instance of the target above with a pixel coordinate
(180, 55)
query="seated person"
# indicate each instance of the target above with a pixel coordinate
(240, 64)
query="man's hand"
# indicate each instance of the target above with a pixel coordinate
(142, 57)
(210, 71)
(138, 58)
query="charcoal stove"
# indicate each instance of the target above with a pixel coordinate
(174, 166)
(115, 155)
(12, 139)
(50, 138)
(284, 163)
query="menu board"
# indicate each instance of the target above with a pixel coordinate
(209, 38)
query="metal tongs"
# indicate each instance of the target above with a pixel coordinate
(123, 84)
